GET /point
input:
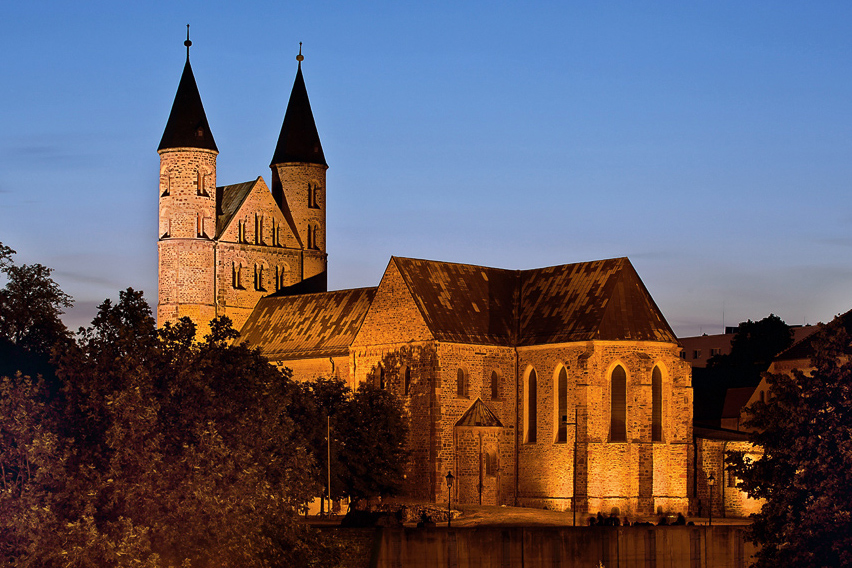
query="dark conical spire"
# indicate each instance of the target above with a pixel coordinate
(187, 126)
(299, 140)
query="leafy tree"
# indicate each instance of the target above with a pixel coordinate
(805, 430)
(373, 430)
(160, 451)
(31, 304)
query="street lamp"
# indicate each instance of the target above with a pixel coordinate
(450, 480)
(711, 481)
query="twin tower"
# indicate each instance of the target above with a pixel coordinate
(223, 248)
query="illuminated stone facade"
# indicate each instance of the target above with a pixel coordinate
(559, 387)
(223, 248)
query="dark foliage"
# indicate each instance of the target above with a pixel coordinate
(805, 474)
(160, 451)
(754, 346)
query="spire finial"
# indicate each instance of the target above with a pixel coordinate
(300, 57)
(187, 43)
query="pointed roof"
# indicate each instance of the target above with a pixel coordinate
(187, 125)
(601, 299)
(598, 300)
(480, 416)
(299, 140)
(231, 198)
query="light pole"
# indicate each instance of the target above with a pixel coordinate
(711, 481)
(450, 480)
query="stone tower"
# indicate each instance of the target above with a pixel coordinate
(298, 181)
(187, 208)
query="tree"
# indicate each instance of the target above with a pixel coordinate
(754, 346)
(31, 304)
(373, 430)
(805, 430)
(168, 452)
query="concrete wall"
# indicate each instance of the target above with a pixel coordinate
(624, 547)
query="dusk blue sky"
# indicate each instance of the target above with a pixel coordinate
(709, 142)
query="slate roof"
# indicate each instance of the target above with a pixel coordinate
(479, 415)
(308, 325)
(187, 125)
(230, 198)
(603, 300)
(299, 140)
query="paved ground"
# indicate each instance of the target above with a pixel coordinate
(483, 515)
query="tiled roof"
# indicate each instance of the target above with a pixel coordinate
(309, 325)
(461, 302)
(299, 140)
(230, 198)
(479, 415)
(602, 300)
(187, 125)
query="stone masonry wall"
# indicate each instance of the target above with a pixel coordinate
(728, 501)
(637, 475)
(303, 186)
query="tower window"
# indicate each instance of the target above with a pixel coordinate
(532, 408)
(618, 406)
(562, 406)
(656, 405)
(200, 185)
(313, 189)
(407, 381)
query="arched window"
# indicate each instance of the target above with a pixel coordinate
(562, 406)
(461, 384)
(407, 381)
(656, 405)
(380, 375)
(495, 386)
(618, 405)
(532, 408)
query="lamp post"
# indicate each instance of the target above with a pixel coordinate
(450, 480)
(711, 481)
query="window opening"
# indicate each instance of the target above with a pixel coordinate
(495, 386)
(656, 405)
(562, 406)
(532, 408)
(618, 406)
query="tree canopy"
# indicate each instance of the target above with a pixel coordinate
(158, 451)
(805, 473)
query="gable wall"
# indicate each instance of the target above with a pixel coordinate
(393, 317)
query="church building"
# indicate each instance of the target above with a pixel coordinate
(559, 387)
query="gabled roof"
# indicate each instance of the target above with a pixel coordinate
(231, 197)
(187, 125)
(461, 302)
(308, 325)
(602, 300)
(299, 140)
(479, 415)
